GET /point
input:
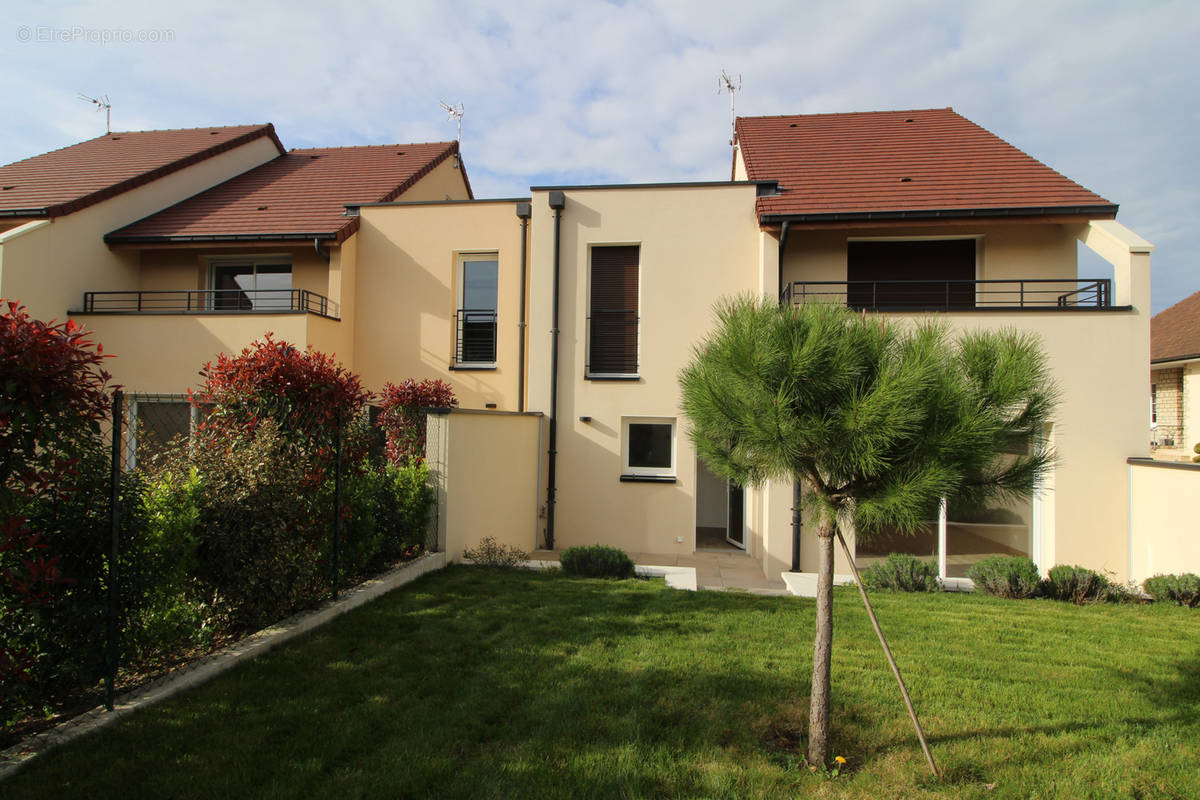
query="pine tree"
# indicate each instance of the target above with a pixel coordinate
(877, 419)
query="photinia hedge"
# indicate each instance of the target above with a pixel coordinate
(53, 396)
(401, 418)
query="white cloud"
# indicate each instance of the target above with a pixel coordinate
(1105, 92)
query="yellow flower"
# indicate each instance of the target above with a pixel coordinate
(840, 760)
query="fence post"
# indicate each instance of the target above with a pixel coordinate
(114, 513)
(337, 500)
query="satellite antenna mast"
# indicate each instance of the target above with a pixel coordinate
(726, 83)
(456, 113)
(101, 104)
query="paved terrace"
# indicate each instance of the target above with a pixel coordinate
(714, 570)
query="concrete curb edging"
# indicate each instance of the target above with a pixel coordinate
(16, 757)
(683, 578)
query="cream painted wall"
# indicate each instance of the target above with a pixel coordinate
(489, 464)
(48, 265)
(444, 182)
(696, 244)
(1164, 534)
(407, 295)
(164, 352)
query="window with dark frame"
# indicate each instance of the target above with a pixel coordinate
(613, 311)
(251, 285)
(1154, 402)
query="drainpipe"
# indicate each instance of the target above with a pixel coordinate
(317, 246)
(557, 201)
(797, 522)
(524, 211)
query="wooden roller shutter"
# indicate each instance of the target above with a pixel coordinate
(613, 313)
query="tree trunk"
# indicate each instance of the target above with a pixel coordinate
(818, 714)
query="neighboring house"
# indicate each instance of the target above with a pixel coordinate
(579, 305)
(1175, 379)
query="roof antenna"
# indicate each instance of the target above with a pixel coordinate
(726, 84)
(456, 113)
(101, 104)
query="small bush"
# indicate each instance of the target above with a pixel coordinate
(1182, 590)
(1006, 576)
(596, 561)
(1075, 584)
(490, 553)
(900, 572)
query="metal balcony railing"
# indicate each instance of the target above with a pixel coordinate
(955, 295)
(211, 301)
(475, 336)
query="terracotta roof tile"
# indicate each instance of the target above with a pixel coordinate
(900, 161)
(299, 194)
(66, 180)
(1175, 332)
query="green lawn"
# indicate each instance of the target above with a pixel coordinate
(481, 683)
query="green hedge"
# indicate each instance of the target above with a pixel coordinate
(596, 561)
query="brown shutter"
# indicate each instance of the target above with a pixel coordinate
(613, 315)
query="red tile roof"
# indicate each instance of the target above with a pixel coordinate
(299, 195)
(1175, 332)
(900, 164)
(67, 180)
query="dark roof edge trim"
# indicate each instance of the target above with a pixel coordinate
(667, 185)
(1169, 359)
(1108, 210)
(1142, 461)
(229, 237)
(475, 201)
(25, 212)
(161, 172)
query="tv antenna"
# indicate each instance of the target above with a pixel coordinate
(456, 113)
(726, 83)
(101, 104)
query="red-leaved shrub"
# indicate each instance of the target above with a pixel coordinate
(53, 396)
(401, 418)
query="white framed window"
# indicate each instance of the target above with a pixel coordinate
(475, 310)
(647, 448)
(251, 283)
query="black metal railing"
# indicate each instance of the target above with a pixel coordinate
(210, 300)
(612, 342)
(475, 336)
(955, 295)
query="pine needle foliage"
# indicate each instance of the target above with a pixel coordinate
(879, 419)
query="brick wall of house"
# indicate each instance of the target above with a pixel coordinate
(1168, 400)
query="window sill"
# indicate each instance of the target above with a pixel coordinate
(612, 377)
(649, 479)
(471, 367)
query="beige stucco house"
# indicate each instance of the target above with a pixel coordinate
(1175, 379)
(563, 318)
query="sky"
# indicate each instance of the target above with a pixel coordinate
(1107, 93)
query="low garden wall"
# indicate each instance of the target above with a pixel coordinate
(1164, 518)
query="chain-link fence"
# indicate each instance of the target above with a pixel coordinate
(186, 525)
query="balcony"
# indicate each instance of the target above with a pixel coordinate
(211, 301)
(1033, 294)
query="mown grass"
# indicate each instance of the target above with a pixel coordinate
(484, 683)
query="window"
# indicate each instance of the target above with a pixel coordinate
(613, 312)
(908, 275)
(252, 284)
(648, 448)
(475, 320)
(1153, 402)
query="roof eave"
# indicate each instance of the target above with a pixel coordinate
(334, 236)
(1107, 211)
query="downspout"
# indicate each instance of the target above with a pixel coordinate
(317, 246)
(557, 201)
(524, 211)
(797, 521)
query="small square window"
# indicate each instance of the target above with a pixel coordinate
(648, 446)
